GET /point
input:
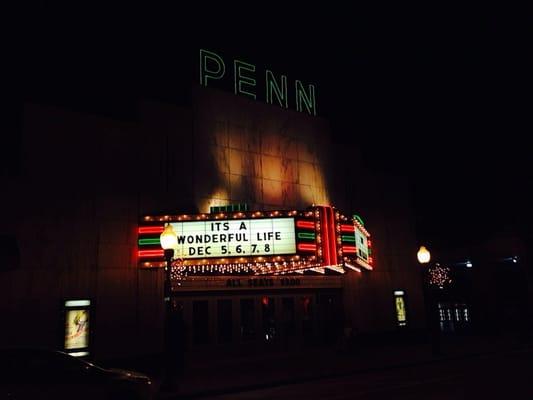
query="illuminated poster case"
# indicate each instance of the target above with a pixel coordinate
(400, 307)
(76, 333)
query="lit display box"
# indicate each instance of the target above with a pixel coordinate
(399, 303)
(77, 315)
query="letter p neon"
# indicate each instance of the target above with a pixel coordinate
(211, 66)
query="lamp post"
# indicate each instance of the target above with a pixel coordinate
(432, 316)
(423, 255)
(169, 242)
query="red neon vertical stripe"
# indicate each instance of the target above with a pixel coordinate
(332, 239)
(325, 235)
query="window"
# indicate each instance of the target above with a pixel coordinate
(453, 316)
(466, 312)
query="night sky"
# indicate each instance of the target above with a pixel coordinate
(442, 96)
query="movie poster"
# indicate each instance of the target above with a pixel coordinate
(400, 311)
(77, 329)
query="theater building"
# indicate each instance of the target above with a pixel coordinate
(285, 238)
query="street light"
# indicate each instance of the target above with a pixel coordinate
(423, 255)
(169, 241)
(432, 315)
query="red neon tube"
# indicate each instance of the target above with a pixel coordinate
(305, 224)
(347, 228)
(306, 247)
(349, 249)
(332, 238)
(151, 229)
(325, 235)
(150, 253)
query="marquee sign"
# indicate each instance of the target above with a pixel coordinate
(232, 238)
(260, 242)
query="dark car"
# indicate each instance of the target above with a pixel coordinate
(50, 374)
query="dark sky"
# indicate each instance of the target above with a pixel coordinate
(442, 96)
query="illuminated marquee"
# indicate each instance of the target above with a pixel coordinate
(213, 67)
(240, 237)
(260, 243)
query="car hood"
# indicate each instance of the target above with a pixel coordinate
(125, 374)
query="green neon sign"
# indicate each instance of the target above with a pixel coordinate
(274, 88)
(358, 218)
(306, 235)
(148, 241)
(305, 98)
(348, 238)
(213, 68)
(243, 77)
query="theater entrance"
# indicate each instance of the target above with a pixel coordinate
(244, 319)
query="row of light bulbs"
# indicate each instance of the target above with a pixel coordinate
(238, 214)
(258, 268)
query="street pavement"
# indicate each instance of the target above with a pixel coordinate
(499, 376)
(468, 366)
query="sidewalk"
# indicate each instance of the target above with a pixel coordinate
(240, 374)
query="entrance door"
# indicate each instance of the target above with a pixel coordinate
(329, 316)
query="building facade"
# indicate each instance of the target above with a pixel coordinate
(88, 183)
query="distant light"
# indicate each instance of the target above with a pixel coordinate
(398, 293)
(469, 264)
(515, 259)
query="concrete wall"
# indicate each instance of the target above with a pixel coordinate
(247, 151)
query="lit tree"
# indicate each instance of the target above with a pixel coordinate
(439, 276)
